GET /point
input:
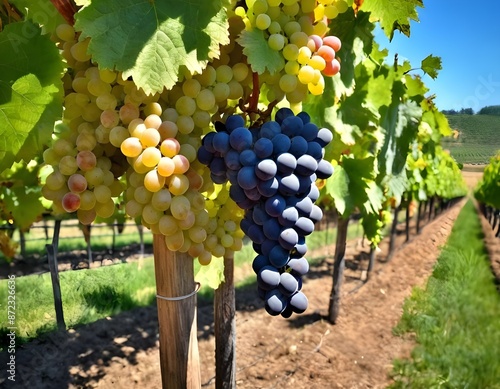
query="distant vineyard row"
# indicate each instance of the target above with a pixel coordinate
(476, 138)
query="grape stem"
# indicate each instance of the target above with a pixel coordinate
(67, 8)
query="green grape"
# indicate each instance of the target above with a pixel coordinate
(102, 193)
(105, 209)
(161, 199)
(191, 87)
(263, 21)
(288, 82)
(276, 42)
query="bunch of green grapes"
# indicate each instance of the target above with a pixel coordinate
(296, 29)
(224, 235)
(86, 166)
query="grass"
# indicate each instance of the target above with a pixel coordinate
(92, 294)
(456, 319)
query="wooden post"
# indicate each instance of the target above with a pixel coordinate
(371, 261)
(407, 227)
(225, 329)
(179, 357)
(338, 269)
(54, 275)
(392, 241)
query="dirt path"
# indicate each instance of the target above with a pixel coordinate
(302, 352)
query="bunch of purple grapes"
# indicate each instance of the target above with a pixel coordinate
(273, 171)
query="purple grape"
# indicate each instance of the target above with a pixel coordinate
(218, 178)
(306, 165)
(237, 193)
(309, 131)
(275, 205)
(288, 284)
(282, 114)
(281, 144)
(299, 302)
(288, 217)
(316, 214)
(247, 178)
(304, 206)
(313, 193)
(325, 169)
(207, 141)
(268, 277)
(259, 215)
(286, 163)
(232, 160)
(304, 116)
(255, 234)
(272, 229)
(288, 238)
(263, 148)
(304, 226)
(248, 158)
(240, 138)
(221, 142)
(291, 126)
(315, 150)
(204, 156)
(267, 246)
(275, 302)
(278, 256)
(266, 169)
(269, 130)
(259, 262)
(253, 194)
(299, 266)
(233, 122)
(324, 137)
(289, 185)
(268, 188)
(298, 146)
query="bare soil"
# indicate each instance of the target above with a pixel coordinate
(305, 351)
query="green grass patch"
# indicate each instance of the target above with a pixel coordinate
(456, 319)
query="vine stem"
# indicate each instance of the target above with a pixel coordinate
(67, 8)
(253, 101)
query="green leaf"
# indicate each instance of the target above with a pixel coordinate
(393, 14)
(260, 56)
(41, 12)
(337, 186)
(25, 205)
(432, 65)
(355, 33)
(30, 91)
(151, 41)
(321, 108)
(211, 275)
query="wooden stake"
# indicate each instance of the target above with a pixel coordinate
(338, 269)
(179, 357)
(225, 329)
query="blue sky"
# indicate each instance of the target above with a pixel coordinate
(467, 38)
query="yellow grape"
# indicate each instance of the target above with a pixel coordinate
(131, 147)
(161, 199)
(175, 241)
(86, 216)
(102, 193)
(153, 121)
(150, 214)
(151, 156)
(168, 225)
(166, 166)
(133, 209)
(170, 147)
(105, 209)
(153, 181)
(178, 184)
(180, 207)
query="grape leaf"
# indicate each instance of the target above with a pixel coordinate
(393, 14)
(151, 40)
(337, 186)
(355, 33)
(211, 275)
(41, 12)
(260, 56)
(431, 65)
(30, 91)
(25, 205)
